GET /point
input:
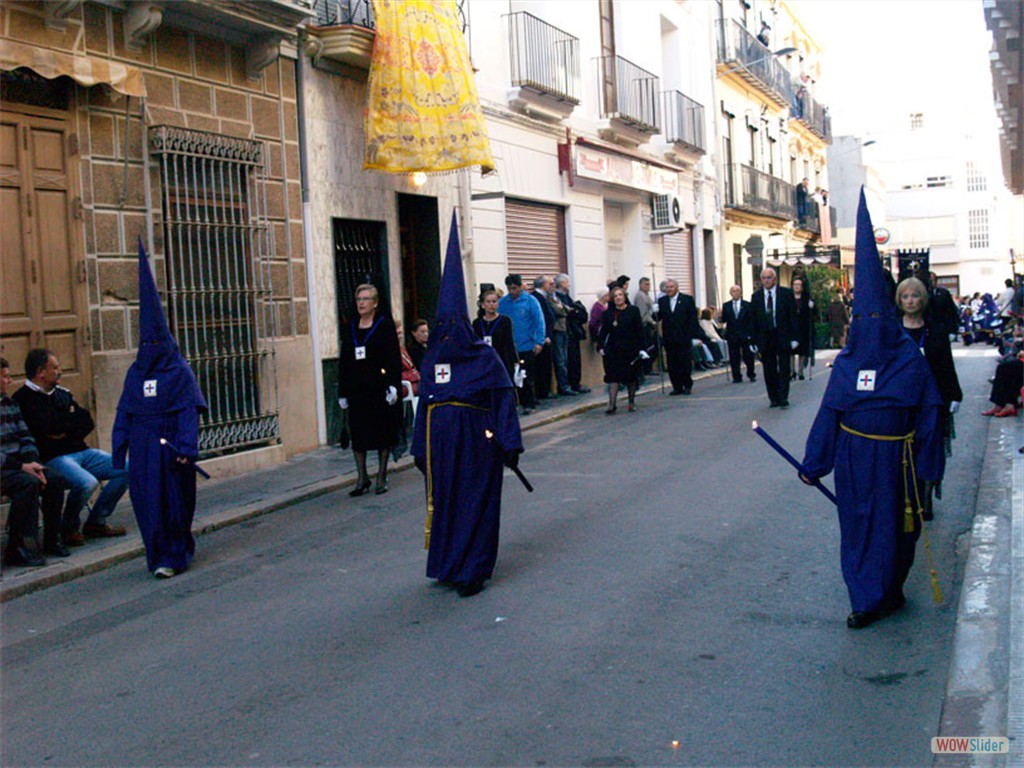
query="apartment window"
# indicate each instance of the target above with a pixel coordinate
(218, 250)
(916, 121)
(977, 228)
(976, 181)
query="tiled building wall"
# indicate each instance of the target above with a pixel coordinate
(194, 82)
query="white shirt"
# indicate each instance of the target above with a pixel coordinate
(672, 303)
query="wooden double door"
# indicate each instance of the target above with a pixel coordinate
(43, 298)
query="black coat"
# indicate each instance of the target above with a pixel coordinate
(785, 318)
(680, 327)
(621, 338)
(804, 329)
(502, 340)
(942, 314)
(373, 423)
(738, 327)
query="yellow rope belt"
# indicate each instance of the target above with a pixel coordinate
(430, 477)
(909, 479)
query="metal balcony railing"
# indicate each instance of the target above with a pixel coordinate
(749, 189)
(628, 93)
(684, 120)
(755, 62)
(812, 114)
(333, 13)
(543, 57)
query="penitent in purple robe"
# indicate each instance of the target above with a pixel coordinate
(880, 387)
(161, 400)
(466, 428)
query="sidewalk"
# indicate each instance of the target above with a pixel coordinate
(236, 499)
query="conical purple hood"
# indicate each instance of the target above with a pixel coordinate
(457, 364)
(880, 366)
(160, 380)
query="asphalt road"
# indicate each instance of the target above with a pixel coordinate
(670, 595)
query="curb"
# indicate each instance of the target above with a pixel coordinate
(985, 683)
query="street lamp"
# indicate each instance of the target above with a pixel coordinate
(748, 64)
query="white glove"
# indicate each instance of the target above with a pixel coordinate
(753, 348)
(343, 403)
(392, 396)
(644, 355)
(601, 352)
(793, 345)
(810, 304)
(518, 376)
(954, 406)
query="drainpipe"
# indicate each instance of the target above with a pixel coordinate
(307, 240)
(466, 231)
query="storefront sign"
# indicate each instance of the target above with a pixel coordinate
(624, 171)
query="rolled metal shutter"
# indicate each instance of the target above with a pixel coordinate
(678, 251)
(535, 239)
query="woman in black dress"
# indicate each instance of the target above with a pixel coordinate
(804, 328)
(496, 331)
(912, 301)
(621, 344)
(369, 382)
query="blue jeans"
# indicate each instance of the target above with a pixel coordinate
(82, 472)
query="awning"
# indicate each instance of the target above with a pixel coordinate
(84, 70)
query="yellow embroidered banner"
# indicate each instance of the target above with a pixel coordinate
(422, 110)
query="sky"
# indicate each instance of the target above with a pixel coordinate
(883, 59)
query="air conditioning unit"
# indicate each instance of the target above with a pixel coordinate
(667, 213)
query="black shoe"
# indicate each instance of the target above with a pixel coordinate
(687, 390)
(861, 619)
(784, 404)
(360, 488)
(57, 550)
(566, 393)
(676, 392)
(582, 390)
(470, 589)
(737, 381)
(611, 410)
(751, 378)
(22, 556)
(801, 377)
(773, 404)
(382, 487)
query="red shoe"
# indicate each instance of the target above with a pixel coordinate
(991, 411)
(1006, 410)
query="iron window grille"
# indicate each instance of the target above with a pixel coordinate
(218, 247)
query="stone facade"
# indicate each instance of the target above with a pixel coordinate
(196, 82)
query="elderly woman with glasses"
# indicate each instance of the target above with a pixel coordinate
(369, 383)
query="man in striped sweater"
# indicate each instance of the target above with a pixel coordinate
(24, 480)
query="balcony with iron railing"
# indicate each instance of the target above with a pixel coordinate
(742, 52)
(544, 66)
(684, 121)
(628, 98)
(334, 13)
(812, 114)
(754, 191)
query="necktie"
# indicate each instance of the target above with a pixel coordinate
(771, 310)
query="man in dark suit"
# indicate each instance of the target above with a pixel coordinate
(738, 327)
(677, 314)
(941, 312)
(544, 362)
(774, 314)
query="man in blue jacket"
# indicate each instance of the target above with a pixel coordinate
(528, 332)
